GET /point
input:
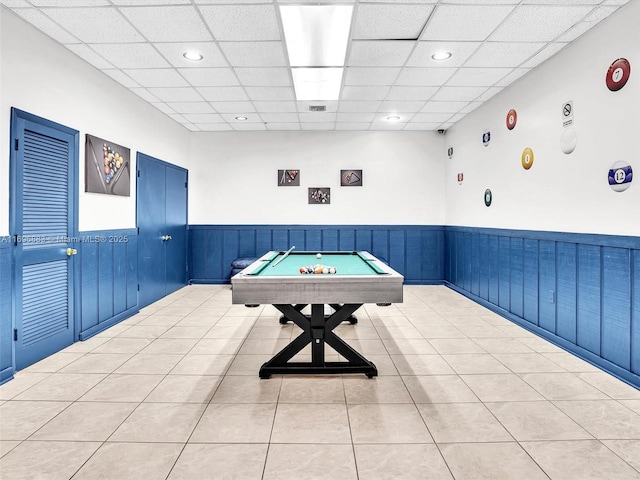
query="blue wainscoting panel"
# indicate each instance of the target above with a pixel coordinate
(109, 279)
(6, 327)
(616, 306)
(580, 291)
(566, 296)
(589, 283)
(415, 251)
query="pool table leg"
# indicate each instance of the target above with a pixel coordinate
(298, 307)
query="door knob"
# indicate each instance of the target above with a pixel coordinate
(71, 251)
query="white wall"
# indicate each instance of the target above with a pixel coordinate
(41, 77)
(559, 192)
(233, 178)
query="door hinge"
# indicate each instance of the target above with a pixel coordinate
(138, 173)
(185, 184)
(16, 144)
(138, 287)
(138, 230)
(15, 240)
(15, 334)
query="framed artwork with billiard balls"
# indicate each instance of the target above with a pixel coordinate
(351, 178)
(288, 178)
(107, 167)
(319, 196)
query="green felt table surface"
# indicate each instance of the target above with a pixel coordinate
(346, 263)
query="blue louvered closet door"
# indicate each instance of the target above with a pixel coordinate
(44, 226)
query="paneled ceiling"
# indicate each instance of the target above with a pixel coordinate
(245, 70)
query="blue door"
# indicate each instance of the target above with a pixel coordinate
(162, 223)
(44, 192)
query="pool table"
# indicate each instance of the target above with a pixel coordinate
(275, 279)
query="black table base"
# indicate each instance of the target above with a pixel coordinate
(336, 306)
(317, 329)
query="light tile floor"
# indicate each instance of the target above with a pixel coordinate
(173, 393)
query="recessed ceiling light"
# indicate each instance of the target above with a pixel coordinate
(242, 119)
(192, 55)
(393, 118)
(441, 55)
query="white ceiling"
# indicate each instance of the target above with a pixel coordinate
(389, 69)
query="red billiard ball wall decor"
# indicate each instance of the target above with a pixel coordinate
(107, 167)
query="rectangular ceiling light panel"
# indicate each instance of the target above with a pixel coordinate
(316, 35)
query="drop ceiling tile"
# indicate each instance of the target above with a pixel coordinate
(431, 117)
(191, 107)
(484, 2)
(317, 126)
(386, 125)
(280, 117)
(488, 93)
(443, 107)
(95, 25)
(89, 55)
(122, 78)
(209, 77)
(538, 23)
(477, 77)
(248, 126)
(264, 77)
(15, 3)
(270, 93)
(251, 117)
(356, 117)
(586, 24)
(164, 108)
(173, 52)
(135, 3)
(374, 21)
(383, 117)
(168, 23)
(460, 52)
(397, 1)
(400, 106)
(130, 55)
(145, 94)
(213, 127)
(236, 108)
(547, 52)
(242, 22)
(515, 74)
(307, 2)
(465, 22)
(69, 3)
(502, 54)
(556, 2)
(424, 76)
(180, 94)
(370, 76)
(411, 93)
(352, 126)
(458, 94)
(46, 25)
(223, 94)
(315, 117)
(222, 2)
(254, 54)
(359, 106)
(615, 2)
(421, 126)
(201, 118)
(364, 92)
(156, 77)
(379, 53)
(275, 126)
(276, 107)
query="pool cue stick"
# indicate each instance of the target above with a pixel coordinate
(284, 256)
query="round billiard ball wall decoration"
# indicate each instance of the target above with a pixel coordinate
(488, 197)
(512, 119)
(618, 74)
(527, 158)
(569, 140)
(486, 138)
(620, 176)
(450, 152)
(460, 178)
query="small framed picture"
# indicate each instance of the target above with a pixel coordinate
(319, 196)
(351, 178)
(288, 178)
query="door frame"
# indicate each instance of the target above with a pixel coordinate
(18, 116)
